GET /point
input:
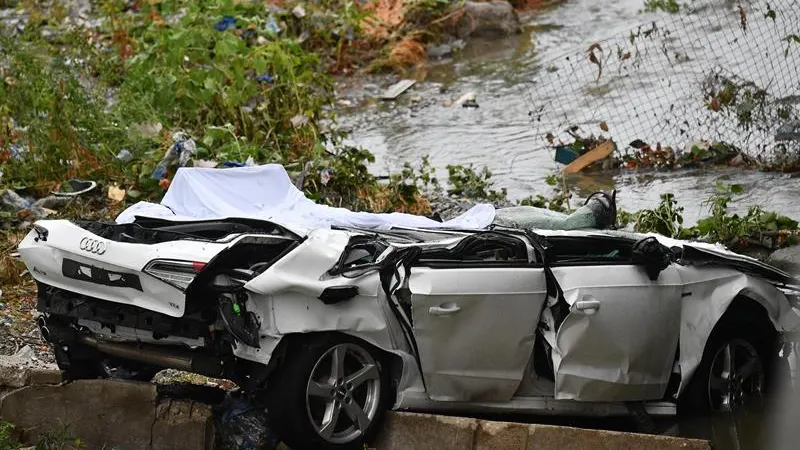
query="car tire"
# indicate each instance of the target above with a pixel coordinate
(316, 403)
(737, 366)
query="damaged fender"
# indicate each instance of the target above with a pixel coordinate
(286, 298)
(707, 295)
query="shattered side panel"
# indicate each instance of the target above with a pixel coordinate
(475, 329)
(709, 292)
(618, 341)
(286, 298)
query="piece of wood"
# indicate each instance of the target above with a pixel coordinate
(598, 153)
(398, 88)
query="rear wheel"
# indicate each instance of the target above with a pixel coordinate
(330, 394)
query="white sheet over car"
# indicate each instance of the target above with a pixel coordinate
(266, 192)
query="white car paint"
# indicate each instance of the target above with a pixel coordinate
(460, 317)
(621, 350)
(44, 261)
(625, 347)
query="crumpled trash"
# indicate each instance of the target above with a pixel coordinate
(248, 162)
(14, 200)
(265, 78)
(51, 202)
(299, 11)
(440, 51)
(225, 23)
(468, 100)
(17, 151)
(124, 155)
(75, 187)
(243, 424)
(599, 212)
(325, 176)
(272, 25)
(182, 150)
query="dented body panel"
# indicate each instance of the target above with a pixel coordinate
(468, 317)
(460, 318)
(623, 344)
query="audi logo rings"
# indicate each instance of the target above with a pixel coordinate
(93, 246)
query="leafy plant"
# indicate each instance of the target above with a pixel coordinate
(669, 6)
(466, 182)
(758, 228)
(59, 438)
(7, 440)
(665, 219)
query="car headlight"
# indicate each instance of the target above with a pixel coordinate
(176, 273)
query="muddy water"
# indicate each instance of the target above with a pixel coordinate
(499, 133)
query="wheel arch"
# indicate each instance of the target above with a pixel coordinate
(394, 362)
(746, 306)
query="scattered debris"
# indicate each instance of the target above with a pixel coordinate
(124, 155)
(299, 11)
(598, 153)
(75, 187)
(149, 130)
(397, 89)
(467, 100)
(182, 150)
(299, 120)
(116, 194)
(225, 23)
(265, 78)
(243, 424)
(272, 25)
(14, 200)
(205, 163)
(325, 176)
(440, 51)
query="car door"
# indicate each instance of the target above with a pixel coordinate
(618, 339)
(474, 327)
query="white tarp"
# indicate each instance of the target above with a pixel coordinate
(266, 192)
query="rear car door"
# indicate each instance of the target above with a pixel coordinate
(474, 322)
(618, 339)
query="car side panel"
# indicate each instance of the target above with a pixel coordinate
(480, 352)
(625, 350)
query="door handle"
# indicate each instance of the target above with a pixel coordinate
(444, 309)
(588, 307)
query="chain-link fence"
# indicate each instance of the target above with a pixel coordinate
(718, 71)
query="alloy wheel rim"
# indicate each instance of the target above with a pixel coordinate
(343, 393)
(737, 375)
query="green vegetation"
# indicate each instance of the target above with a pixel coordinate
(466, 182)
(245, 81)
(757, 229)
(7, 440)
(669, 6)
(58, 438)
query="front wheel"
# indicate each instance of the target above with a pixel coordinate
(735, 369)
(329, 394)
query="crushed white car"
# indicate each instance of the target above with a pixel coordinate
(331, 325)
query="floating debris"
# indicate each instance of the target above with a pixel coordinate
(398, 89)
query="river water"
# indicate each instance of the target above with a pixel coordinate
(514, 76)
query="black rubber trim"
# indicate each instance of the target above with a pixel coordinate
(77, 271)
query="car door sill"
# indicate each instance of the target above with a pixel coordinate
(419, 401)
